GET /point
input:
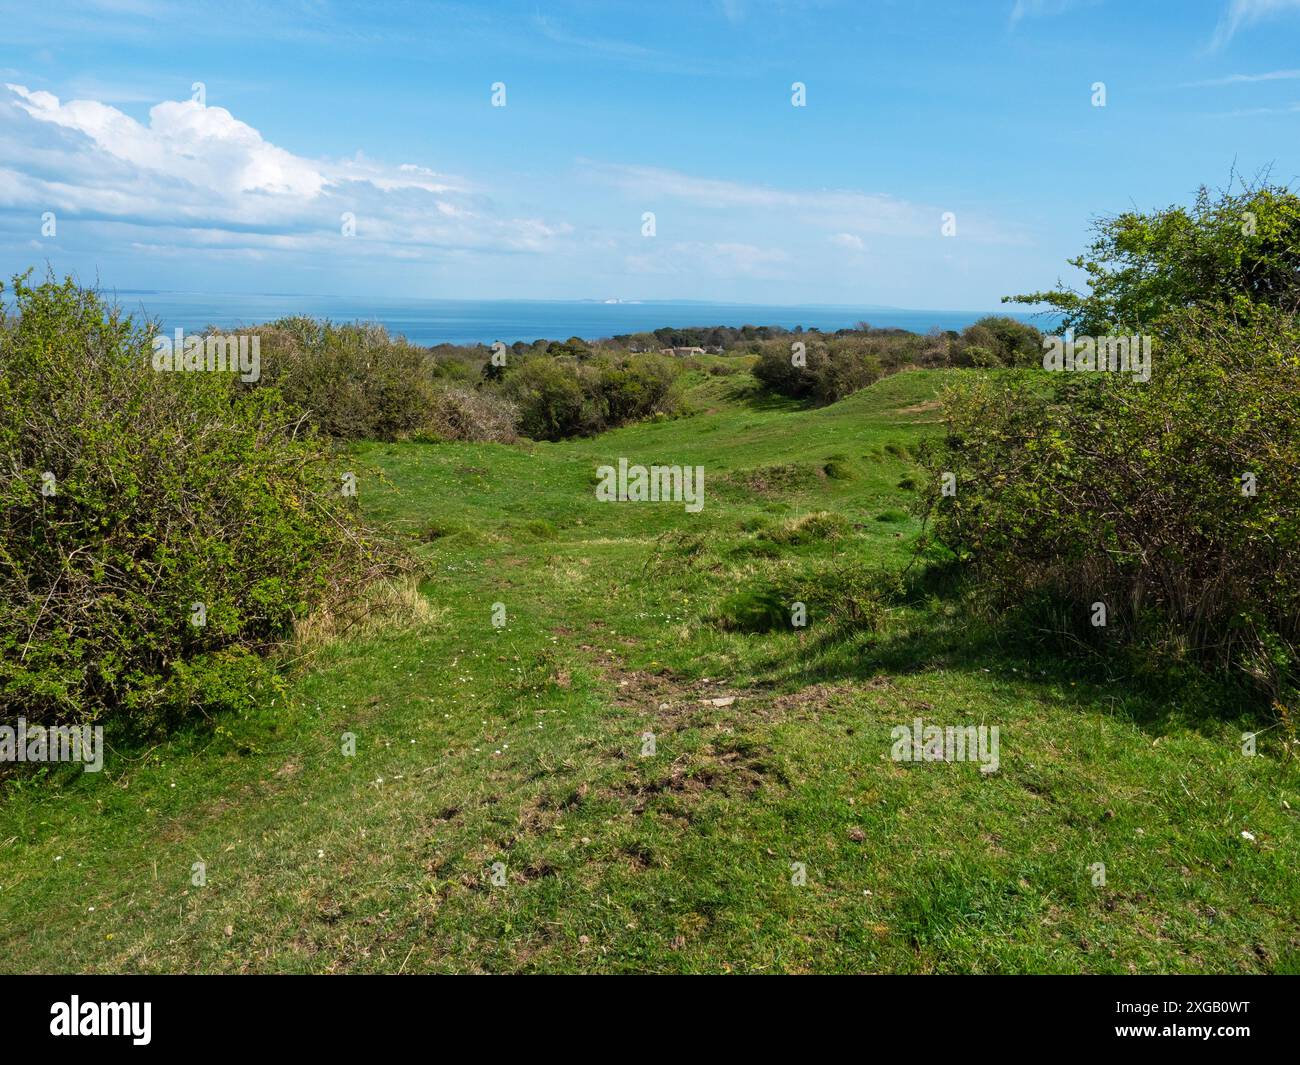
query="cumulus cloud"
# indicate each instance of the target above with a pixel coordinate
(196, 175)
(215, 149)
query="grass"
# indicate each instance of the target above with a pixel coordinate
(527, 745)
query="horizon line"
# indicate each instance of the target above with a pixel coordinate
(606, 301)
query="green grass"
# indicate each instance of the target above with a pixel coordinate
(524, 745)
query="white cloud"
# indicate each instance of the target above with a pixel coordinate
(1245, 79)
(193, 169)
(847, 240)
(719, 259)
(1242, 14)
(214, 148)
(875, 212)
(828, 210)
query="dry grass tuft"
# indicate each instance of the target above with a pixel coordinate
(387, 605)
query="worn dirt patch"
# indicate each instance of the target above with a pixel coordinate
(670, 701)
(767, 480)
(821, 697)
(694, 775)
(725, 765)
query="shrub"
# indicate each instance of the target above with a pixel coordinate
(354, 380)
(170, 490)
(997, 340)
(563, 398)
(631, 389)
(840, 364)
(551, 399)
(1098, 488)
(461, 413)
(1232, 250)
(832, 368)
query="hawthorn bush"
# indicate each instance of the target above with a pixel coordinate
(354, 380)
(1174, 503)
(833, 367)
(838, 364)
(165, 491)
(558, 398)
(1096, 488)
(460, 412)
(1234, 249)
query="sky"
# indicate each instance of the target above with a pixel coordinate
(223, 147)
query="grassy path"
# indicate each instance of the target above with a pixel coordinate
(524, 745)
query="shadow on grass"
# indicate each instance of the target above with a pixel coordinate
(931, 627)
(753, 396)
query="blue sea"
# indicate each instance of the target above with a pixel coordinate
(486, 321)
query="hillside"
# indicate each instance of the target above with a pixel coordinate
(523, 745)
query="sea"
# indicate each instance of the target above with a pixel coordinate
(436, 321)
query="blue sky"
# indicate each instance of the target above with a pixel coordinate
(982, 108)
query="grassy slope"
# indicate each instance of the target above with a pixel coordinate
(523, 746)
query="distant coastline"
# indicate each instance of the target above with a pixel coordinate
(485, 321)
